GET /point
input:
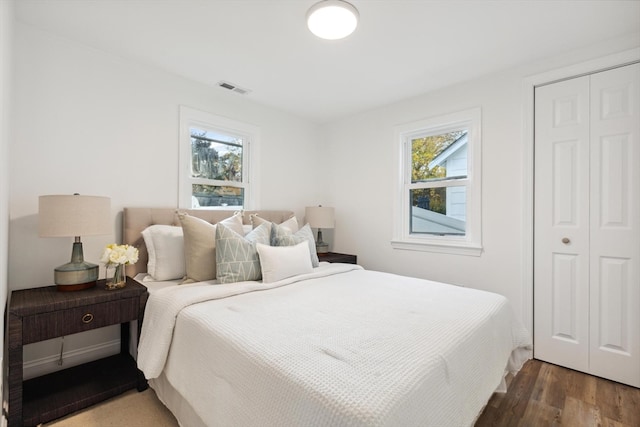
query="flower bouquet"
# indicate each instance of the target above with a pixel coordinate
(115, 257)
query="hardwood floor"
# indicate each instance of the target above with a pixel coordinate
(544, 395)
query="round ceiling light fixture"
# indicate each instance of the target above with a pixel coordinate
(332, 19)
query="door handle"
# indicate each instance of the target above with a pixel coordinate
(566, 240)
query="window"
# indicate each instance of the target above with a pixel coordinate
(438, 194)
(214, 161)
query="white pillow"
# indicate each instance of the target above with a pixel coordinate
(290, 224)
(165, 246)
(280, 262)
(282, 236)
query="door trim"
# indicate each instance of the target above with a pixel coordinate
(529, 83)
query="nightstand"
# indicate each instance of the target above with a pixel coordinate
(336, 257)
(40, 314)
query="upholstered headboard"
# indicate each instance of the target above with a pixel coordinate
(135, 220)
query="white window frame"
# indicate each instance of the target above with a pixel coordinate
(250, 134)
(471, 242)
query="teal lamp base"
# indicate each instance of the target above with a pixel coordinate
(321, 247)
(77, 274)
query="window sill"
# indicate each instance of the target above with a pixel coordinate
(452, 248)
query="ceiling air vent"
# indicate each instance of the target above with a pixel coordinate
(233, 88)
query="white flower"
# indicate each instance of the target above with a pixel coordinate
(119, 254)
(131, 254)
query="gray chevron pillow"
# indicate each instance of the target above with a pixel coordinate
(236, 255)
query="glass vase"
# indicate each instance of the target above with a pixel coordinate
(116, 278)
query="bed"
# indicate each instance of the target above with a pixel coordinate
(336, 345)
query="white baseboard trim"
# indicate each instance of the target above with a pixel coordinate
(49, 364)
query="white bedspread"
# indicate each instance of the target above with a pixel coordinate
(338, 347)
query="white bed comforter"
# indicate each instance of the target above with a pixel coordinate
(341, 346)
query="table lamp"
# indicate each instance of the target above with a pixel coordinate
(74, 216)
(320, 217)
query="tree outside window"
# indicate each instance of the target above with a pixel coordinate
(214, 161)
(437, 162)
(438, 197)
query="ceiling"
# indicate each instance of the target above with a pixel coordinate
(399, 50)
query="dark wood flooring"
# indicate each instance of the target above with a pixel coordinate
(544, 395)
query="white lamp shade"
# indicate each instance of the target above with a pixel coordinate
(320, 216)
(74, 215)
(332, 19)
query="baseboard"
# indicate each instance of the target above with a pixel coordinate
(49, 364)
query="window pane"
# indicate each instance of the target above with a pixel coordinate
(215, 195)
(439, 211)
(215, 156)
(439, 156)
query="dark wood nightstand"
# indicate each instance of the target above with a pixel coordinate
(336, 257)
(40, 314)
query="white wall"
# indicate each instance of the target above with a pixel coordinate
(6, 64)
(362, 181)
(89, 122)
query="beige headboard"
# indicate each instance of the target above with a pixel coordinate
(135, 220)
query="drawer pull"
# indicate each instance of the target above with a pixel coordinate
(87, 318)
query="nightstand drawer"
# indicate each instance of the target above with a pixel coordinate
(39, 327)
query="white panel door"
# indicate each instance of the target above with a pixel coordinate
(561, 233)
(615, 225)
(587, 224)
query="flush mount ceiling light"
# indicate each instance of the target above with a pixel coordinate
(332, 19)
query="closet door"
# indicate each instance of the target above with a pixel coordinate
(587, 224)
(615, 225)
(561, 226)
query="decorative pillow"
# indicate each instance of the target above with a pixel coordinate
(234, 222)
(280, 262)
(236, 255)
(291, 223)
(200, 245)
(282, 236)
(165, 246)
